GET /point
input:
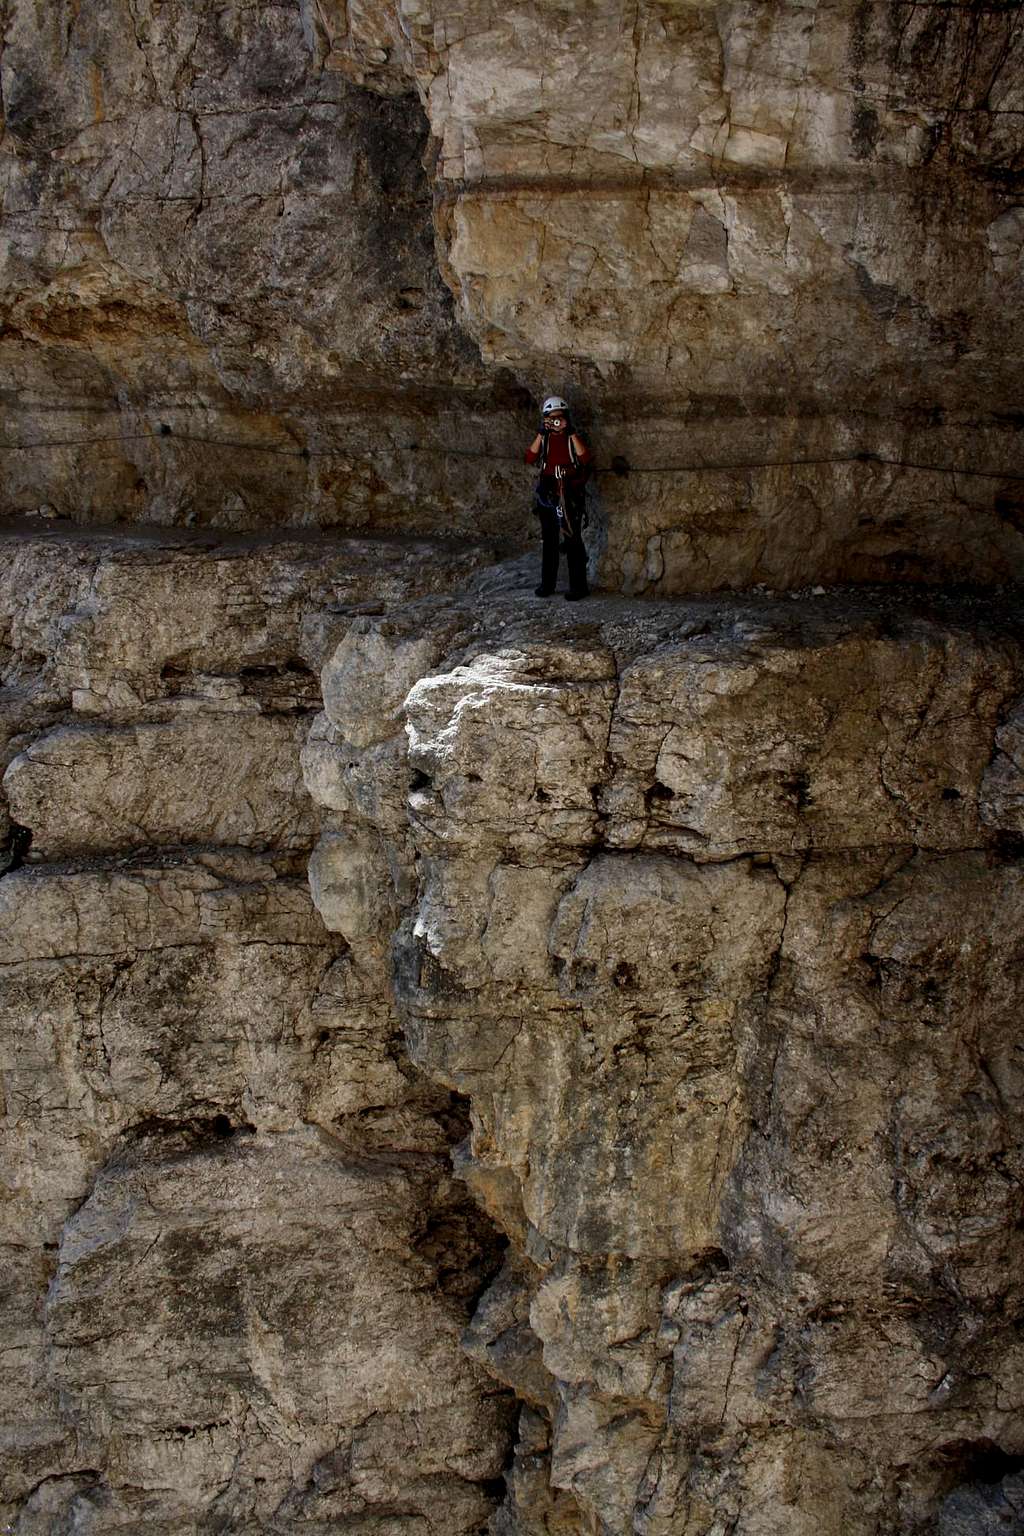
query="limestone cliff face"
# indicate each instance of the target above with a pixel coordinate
(470, 1064)
(772, 251)
(237, 1261)
(714, 926)
(775, 245)
(219, 301)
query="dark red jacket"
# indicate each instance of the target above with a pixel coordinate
(555, 453)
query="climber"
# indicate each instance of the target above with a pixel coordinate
(560, 498)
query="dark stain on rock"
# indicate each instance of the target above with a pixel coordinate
(1009, 507)
(19, 841)
(865, 131)
(882, 298)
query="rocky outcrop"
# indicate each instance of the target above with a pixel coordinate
(769, 252)
(468, 1063)
(744, 233)
(219, 302)
(712, 912)
(238, 1263)
(707, 912)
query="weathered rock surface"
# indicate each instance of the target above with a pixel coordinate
(238, 1261)
(244, 1248)
(713, 913)
(742, 232)
(688, 931)
(219, 302)
(737, 235)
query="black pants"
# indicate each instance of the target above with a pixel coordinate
(554, 535)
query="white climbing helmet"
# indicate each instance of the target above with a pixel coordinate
(552, 404)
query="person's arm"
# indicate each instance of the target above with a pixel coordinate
(533, 452)
(580, 474)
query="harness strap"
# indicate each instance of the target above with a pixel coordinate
(574, 457)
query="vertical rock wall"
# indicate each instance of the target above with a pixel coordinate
(774, 247)
(219, 302)
(770, 251)
(714, 914)
(687, 927)
(236, 1261)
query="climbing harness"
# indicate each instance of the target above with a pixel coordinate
(563, 509)
(573, 455)
(543, 498)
